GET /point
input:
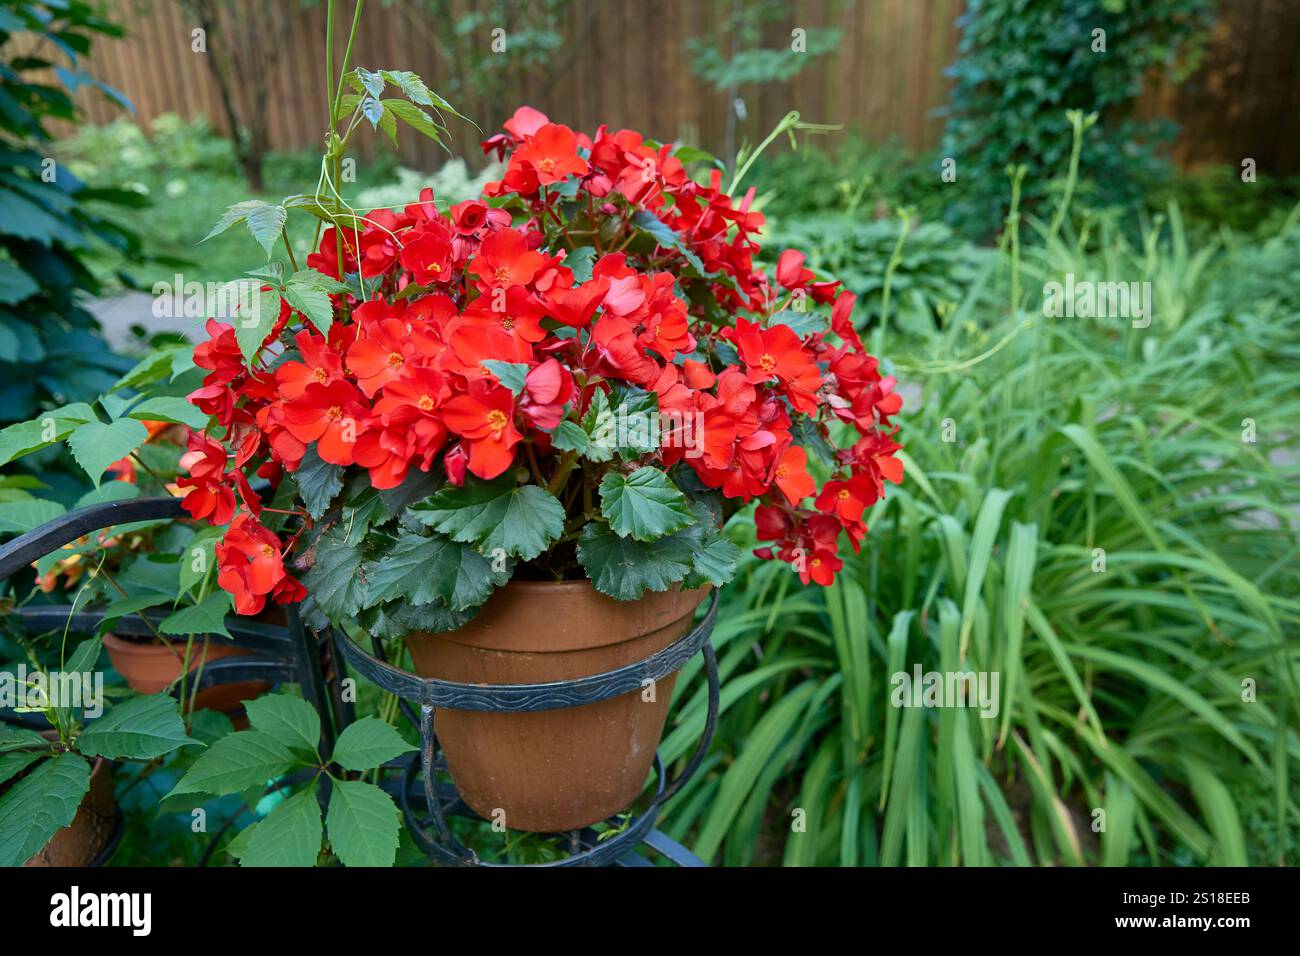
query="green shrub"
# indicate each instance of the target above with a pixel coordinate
(1215, 197)
(50, 349)
(933, 272)
(1022, 63)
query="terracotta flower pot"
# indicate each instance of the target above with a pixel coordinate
(150, 667)
(557, 769)
(81, 841)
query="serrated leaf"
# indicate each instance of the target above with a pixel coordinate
(266, 222)
(170, 408)
(419, 569)
(363, 823)
(290, 720)
(309, 292)
(96, 445)
(625, 568)
(199, 557)
(626, 423)
(598, 423)
(645, 504)
(20, 738)
(412, 86)
(318, 482)
(84, 657)
(246, 759)
(40, 805)
(569, 436)
(27, 514)
(272, 273)
(335, 580)
(239, 845)
(521, 520)
(809, 437)
(664, 235)
(371, 82)
(414, 117)
(109, 491)
(234, 215)
(207, 617)
(259, 310)
(397, 619)
(367, 743)
(154, 367)
(803, 324)
(319, 281)
(417, 486)
(12, 764)
(130, 605)
(692, 154)
(324, 207)
(141, 728)
(373, 110)
(714, 558)
(26, 437)
(581, 260)
(359, 516)
(289, 836)
(509, 374)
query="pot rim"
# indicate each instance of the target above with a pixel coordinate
(581, 585)
(568, 605)
(152, 642)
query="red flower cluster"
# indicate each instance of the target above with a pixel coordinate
(484, 333)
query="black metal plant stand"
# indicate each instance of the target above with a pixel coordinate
(426, 805)
(316, 663)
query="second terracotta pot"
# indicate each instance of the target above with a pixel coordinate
(151, 667)
(559, 769)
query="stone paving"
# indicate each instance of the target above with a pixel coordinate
(119, 312)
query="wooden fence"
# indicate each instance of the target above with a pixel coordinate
(625, 62)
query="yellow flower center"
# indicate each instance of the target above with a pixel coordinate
(496, 420)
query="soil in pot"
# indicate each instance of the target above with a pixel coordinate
(150, 666)
(559, 769)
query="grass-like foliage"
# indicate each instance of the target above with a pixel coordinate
(1105, 516)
